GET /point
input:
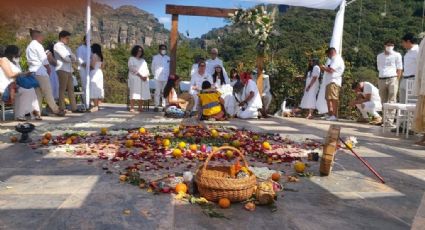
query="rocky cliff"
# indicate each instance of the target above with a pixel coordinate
(111, 27)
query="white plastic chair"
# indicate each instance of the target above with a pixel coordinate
(185, 86)
(410, 116)
(401, 114)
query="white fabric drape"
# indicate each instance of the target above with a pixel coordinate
(316, 4)
(338, 31)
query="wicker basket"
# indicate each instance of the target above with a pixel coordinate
(213, 182)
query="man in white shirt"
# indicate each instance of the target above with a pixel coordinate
(389, 65)
(409, 42)
(81, 53)
(368, 102)
(333, 75)
(65, 58)
(196, 82)
(213, 62)
(161, 70)
(39, 65)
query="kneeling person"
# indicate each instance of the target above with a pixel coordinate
(368, 102)
(211, 102)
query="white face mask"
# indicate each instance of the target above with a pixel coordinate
(389, 49)
(163, 52)
(16, 60)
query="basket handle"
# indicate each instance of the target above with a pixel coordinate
(224, 148)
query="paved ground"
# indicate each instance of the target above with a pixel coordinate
(53, 192)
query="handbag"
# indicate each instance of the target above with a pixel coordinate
(27, 82)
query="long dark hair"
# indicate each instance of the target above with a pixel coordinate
(135, 50)
(170, 84)
(314, 62)
(214, 76)
(97, 49)
(50, 47)
(234, 71)
(10, 52)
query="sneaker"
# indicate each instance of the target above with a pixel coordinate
(156, 109)
(376, 120)
(332, 118)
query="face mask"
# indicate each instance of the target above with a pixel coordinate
(389, 49)
(16, 60)
(163, 52)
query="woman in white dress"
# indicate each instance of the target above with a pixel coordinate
(138, 78)
(54, 81)
(311, 87)
(321, 104)
(25, 99)
(96, 77)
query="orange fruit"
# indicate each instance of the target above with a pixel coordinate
(45, 141)
(182, 145)
(142, 131)
(166, 142)
(176, 130)
(214, 133)
(129, 143)
(224, 203)
(13, 139)
(134, 136)
(48, 136)
(266, 145)
(276, 176)
(177, 153)
(181, 188)
(103, 131)
(193, 147)
(68, 141)
(299, 167)
(73, 138)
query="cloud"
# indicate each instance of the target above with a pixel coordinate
(164, 20)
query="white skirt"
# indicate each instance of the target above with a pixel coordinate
(139, 90)
(96, 84)
(321, 105)
(25, 102)
(309, 99)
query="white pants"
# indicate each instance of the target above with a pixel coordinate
(195, 99)
(369, 107)
(248, 113)
(159, 93)
(26, 102)
(267, 99)
(83, 77)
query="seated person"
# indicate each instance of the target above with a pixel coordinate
(184, 101)
(211, 103)
(368, 101)
(251, 99)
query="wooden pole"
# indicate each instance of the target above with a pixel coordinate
(260, 67)
(173, 43)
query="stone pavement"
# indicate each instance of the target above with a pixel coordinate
(39, 191)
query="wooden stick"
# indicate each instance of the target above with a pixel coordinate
(363, 161)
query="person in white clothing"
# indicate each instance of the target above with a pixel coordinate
(161, 71)
(39, 65)
(138, 78)
(333, 73)
(196, 82)
(213, 62)
(409, 42)
(25, 99)
(251, 99)
(311, 87)
(218, 77)
(65, 58)
(321, 105)
(367, 102)
(97, 92)
(81, 54)
(266, 96)
(194, 67)
(390, 66)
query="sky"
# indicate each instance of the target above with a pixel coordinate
(195, 26)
